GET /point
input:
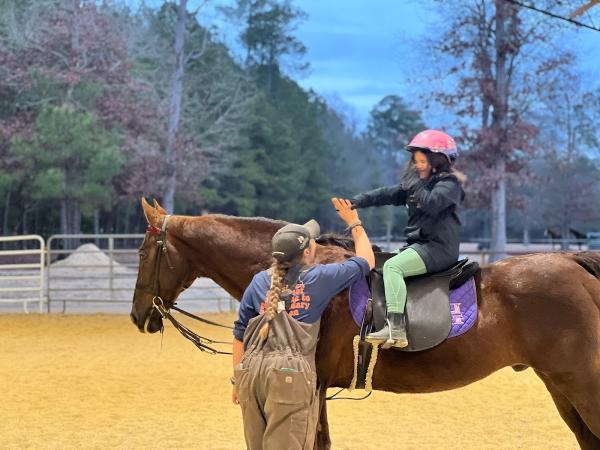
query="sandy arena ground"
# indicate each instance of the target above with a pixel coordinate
(94, 381)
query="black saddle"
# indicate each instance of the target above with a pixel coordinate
(428, 317)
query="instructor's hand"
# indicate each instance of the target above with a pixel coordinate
(345, 211)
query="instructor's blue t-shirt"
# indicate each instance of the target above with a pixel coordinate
(311, 295)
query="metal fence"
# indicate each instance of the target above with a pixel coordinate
(84, 272)
(102, 269)
(22, 271)
(92, 269)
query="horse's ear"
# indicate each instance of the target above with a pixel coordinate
(152, 215)
(159, 208)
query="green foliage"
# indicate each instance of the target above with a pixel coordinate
(279, 171)
(268, 31)
(69, 156)
(391, 126)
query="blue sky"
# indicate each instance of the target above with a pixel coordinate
(359, 50)
(356, 48)
(363, 50)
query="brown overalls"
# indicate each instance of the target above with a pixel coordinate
(276, 384)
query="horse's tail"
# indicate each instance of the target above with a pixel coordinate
(590, 261)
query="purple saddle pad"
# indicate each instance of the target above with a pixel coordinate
(462, 303)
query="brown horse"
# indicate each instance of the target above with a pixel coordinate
(540, 311)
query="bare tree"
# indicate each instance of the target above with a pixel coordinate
(175, 91)
(204, 95)
(501, 61)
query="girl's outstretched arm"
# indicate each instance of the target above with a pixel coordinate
(391, 195)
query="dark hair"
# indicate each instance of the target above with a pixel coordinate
(438, 162)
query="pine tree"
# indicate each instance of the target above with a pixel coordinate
(69, 159)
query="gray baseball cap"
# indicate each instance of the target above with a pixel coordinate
(292, 239)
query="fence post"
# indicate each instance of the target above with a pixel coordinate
(111, 248)
(42, 280)
(48, 263)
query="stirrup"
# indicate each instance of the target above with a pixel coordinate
(385, 343)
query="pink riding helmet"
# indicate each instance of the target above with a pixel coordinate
(434, 141)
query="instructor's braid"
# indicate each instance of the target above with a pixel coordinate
(278, 270)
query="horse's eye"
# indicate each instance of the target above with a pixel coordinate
(142, 254)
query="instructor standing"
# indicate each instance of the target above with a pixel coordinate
(276, 334)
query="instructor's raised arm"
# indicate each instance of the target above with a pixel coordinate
(362, 244)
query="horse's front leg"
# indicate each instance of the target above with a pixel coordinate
(322, 440)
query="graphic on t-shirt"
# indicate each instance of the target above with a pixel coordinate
(300, 301)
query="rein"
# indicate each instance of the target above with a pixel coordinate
(202, 343)
(158, 303)
(199, 341)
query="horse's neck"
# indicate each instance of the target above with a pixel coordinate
(229, 250)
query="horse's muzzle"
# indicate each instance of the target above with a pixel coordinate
(151, 322)
(154, 322)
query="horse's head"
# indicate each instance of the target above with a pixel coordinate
(164, 271)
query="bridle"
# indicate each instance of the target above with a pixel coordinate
(158, 303)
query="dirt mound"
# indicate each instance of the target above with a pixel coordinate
(89, 257)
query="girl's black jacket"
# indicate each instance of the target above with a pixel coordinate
(433, 225)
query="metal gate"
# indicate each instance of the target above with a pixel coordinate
(22, 271)
(88, 269)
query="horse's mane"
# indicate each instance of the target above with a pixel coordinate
(257, 219)
(590, 261)
(326, 239)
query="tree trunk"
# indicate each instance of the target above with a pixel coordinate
(24, 229)
(36, 217)
(109, 222)
(97, 225)
(6, 212)
(526, 238)
(175, 94)
(127, 216)
(499, 116)
(64, 222)
(75, 216)
(498, 244)
(118, 217)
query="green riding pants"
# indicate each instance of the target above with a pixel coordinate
(405, 264)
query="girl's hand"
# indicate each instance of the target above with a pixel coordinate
(345, 211)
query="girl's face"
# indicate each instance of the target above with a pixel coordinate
(422, 165)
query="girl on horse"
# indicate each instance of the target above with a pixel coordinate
(432, 191)
(275, 380)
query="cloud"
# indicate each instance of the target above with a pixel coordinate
(357, 48)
